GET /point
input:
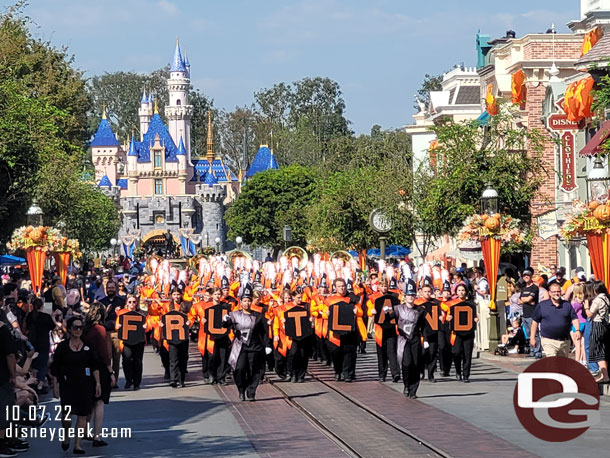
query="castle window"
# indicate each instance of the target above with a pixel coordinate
(178, 102)
(158, 160)
(158, 186)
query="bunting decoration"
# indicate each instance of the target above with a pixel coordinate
(36, 257)
(491, 104)
(519, 91)
(590, 39)
(62, 261)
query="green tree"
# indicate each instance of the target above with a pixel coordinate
(468, 158)
(267, 202)
(338, 219)
(430, 83)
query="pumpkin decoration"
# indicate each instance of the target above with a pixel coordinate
(602, 213)
(593, 204)
(492, 223)
(484, 216)
(498, 216)
(36, 235)
(29, 229)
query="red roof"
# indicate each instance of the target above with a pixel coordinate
(594, 146)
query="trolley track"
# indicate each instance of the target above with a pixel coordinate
(328, 426)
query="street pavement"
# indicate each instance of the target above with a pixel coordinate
(203, 420)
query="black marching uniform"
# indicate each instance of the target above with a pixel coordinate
(431, 336)
(179, 353)
(386, 320)
(219, 363)
(297, 357)
(464, 338)
(248, 352)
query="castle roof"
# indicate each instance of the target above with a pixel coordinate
(177, 64)
(104, 182)
(104, 135)
(181, 148)
(156, 127)
(132, 147)
(122, 183)
(210, 179)
(202, 168)
(264, 160)
(144, 98)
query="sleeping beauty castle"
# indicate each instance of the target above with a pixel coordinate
(160, 189)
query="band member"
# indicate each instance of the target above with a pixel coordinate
(343, 348)
(297, 358)
(463, 321)
(411, 323)
(222, 345)
(319, 311)
(430, 352)
(444, 333)
(280, 343)
(205, 343)
(133, 354)
(178, 352)
(248, 353)
(226, 294)
(381, 307)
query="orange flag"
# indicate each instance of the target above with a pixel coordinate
(518, 87)
(590, 39)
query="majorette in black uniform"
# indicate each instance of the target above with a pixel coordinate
(248, 352)
(411, 323)
(222, 342)
(445, 357)
(178, 349)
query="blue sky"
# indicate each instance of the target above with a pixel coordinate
(378, 51)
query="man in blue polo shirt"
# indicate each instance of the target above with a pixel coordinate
(555, 318)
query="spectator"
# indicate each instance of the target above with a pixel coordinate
(38, 327)
(113, 303)
(598, 345)
(579, 277)
(59, 294)
(480, 284)
(514, 340)
(589, 296)
(553, 317)
(95, 336)
(76, 381)
(515, 309)
(529, 300)
(578, 302)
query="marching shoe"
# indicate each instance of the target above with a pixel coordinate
(242, 396)
(466, 380)
(396, 378)
(458, 377)
(412, 396)
(405, 391)
(432, 379)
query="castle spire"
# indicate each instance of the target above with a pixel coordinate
(104, 111)
(156, 107)
(177, 64)
(210, 141)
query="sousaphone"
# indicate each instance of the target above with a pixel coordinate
(343, 255)
(298, 252)
(235, 254)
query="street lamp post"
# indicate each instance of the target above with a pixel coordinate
(34, 215)
(113, 242)
(287, 235)
(238, 241)
(598, 179)
(217, 241)
(489, 206)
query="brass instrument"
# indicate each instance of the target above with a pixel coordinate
(343, 255)
(193, 262)
(300, 253)
(234, 254)
(148, 262)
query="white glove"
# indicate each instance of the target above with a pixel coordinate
(225, 318)
(426, 345)
(386, 309)
(268, 350)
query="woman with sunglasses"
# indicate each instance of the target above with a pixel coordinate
(76, 380)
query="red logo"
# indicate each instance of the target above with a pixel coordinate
(556, 399)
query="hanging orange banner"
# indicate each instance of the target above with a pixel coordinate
(490, 246)
(62, 260)
(598, 245)
(36, 259)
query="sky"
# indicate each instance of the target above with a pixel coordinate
(377, 50)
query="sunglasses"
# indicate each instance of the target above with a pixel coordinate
(77, 328)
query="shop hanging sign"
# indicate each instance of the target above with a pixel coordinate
(547, 225)
(560, 121)
(568, 169)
